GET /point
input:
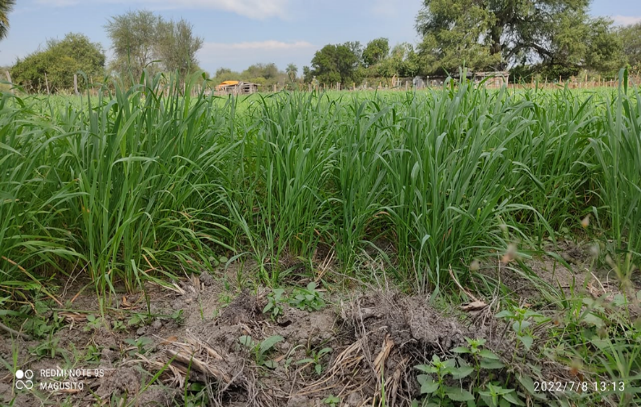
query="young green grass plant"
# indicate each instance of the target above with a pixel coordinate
(618, 159)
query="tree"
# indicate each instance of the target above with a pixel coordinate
(308, 76)
(60, 61)
(133, 36)
(265, 71)
(492, 34)
(140, 39)
(401, 61)
(357, 49)
(291, 72)
(5, 8)
(604, 48)
(630, 37)
(336, 63)
(375, 51)
(177, 47)
(225, 74)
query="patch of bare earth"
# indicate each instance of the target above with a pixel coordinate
(377, 338)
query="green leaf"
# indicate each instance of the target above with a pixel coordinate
(461, 349)
(461, 372)
(505, 314)
(527, 383)
(600, 343)
(268, 343)
(486, 354)
(457, 394)
(513, 398)
(426, 368)
(491, 364)
(592, 319)
(619, 300)
(527, 341)
(450, 363)
(478, 342)
(247, 341)
(428, 385)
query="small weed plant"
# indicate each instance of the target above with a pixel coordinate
(523, 320)
(442, 380)
(315, 359)
(275, 303)
(308, 299)
(261, 349)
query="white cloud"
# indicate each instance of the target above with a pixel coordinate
(256, 9)
(626, 20)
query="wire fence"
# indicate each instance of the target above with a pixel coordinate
(492, 80)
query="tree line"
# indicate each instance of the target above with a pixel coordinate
(544, 39)
(140, 40)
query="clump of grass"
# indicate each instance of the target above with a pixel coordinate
(120, 185)
(618, 162)
(141, 183)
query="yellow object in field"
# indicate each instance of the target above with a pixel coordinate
(226, 83)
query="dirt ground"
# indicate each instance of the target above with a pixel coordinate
(189, 352)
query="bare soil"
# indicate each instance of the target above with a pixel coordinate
(376, 338)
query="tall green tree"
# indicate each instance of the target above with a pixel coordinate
(134, 36)
(261, 73)
(5, 8)
(291, 72)
(177, 46)
(492, 34)
(402, 61)
(375, 51)
(59, 61)
(631, 44)
(308, 76)
(336, 63)
(142, 40)
(356, 48)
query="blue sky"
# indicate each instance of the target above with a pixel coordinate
(238, 33)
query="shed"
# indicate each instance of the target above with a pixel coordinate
(237, 87)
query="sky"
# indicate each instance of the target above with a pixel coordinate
(238, 33)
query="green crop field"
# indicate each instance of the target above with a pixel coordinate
(456, 195)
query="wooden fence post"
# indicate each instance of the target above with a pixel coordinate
(75, 83)
(47, 83)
